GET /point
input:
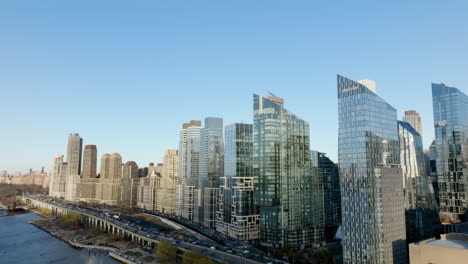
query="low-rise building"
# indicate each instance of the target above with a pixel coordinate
(451, 248)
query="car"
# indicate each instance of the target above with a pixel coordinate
(213, 247)
(229, 251)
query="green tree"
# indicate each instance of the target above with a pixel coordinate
(165, 250)
(192, 257)
(70, 220)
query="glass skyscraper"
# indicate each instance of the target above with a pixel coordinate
(373, 215)
(412, 161)
(450, 107)
(237, 215)
(329, 175)
(210, 171)
(421, 209)
(283, 180)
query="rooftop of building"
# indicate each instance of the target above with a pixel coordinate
(451, 240)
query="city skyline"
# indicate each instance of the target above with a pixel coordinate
(150, 70)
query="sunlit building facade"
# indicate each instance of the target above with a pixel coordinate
(373, 214)
(210, 170)
(283, 179)
(237, 215)
(450, 108)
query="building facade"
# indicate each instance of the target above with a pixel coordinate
(412, 117)
(74, 152)
(169, 181)
(411, 160)
(128, 187)
(57, 177)
(328, 173)
(373, 214)
(184, 201)
(237, 215)
(210, 170)
(283, 179)
(111, 178)
(450, 108)
(87, 185)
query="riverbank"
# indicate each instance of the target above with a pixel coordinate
(90, 239)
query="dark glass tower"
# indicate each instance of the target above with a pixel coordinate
(450, 107)
(328, 172)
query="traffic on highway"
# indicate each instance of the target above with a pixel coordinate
(216, 245)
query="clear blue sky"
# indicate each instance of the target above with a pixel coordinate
(127, 75)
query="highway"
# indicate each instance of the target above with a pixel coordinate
(228, 251)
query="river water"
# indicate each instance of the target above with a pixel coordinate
(21, 242)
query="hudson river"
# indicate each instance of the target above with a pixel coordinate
(21, 242)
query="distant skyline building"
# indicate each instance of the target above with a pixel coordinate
(450, 108)
(237, 215)
(57, 177)
(87, 185)
(412, 117)
(74, 147)
(74, 152)
(188, 168)
(128, 188)
(283, 179)
(169, 181)
(149, 187)
(111, 178)
(373, 214)
(89, 162)
(211, 160)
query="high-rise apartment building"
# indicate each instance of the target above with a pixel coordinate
(237, 215)
(373, 214)
(86, 188)
(74, 147)
(111, 177)
(450, 108)
(149, 187)
(188, 168)
(328, 173)
(89, 162)
(57, 177)
(75, 144)
(211, 159)
(169, 181)
(283, 179)
(128, 187)
(412, 117)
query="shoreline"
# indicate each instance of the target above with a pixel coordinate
(114, 254)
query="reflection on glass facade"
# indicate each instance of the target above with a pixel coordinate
(420, 204)
(210, 171)
(412, 161)
(237, 215)
(328, 172)
(450, 107)
(373, 220)
(283, 177)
